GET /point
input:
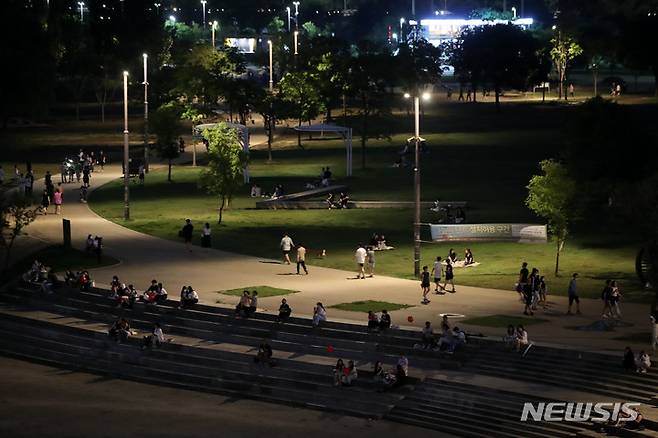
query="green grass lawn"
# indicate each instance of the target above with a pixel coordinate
(486, 162)
(365, 306)
(263, 291)
(502, 321)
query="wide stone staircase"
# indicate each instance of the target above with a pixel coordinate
(213, 351)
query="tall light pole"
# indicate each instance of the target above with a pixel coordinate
(296, 38)
(157, 7)
(203, 7)
(296, 14)
(146, 113)
(126, 155)
(269, 43)
(425, 96)
(288, 10)
(402, 20)
(514, 12)
(82, 13)
(214, 28)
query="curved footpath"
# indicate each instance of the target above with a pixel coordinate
(144, 257)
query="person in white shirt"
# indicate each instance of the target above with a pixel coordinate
(319, 314)
(404, 363)
(437, 272)
(286, 246)
(301, 259)
(360, 257)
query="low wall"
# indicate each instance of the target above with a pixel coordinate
(315, 205)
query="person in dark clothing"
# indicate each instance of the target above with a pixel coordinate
(284, 311)
(264, 355)
(629, 360)
(384, 320)
(186, 233)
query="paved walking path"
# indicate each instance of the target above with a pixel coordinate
(144, 257)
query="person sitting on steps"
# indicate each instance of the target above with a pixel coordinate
(264, 354)
(284, 311)
(384, 320)
(243, 304)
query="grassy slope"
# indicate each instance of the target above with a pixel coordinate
(488, 165)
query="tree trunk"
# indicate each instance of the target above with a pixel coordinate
(221, 208)
(543, 94)
(269, 138)
(169, 172)
(497, 91)
(595, 80)
(364, 135)
(560, 245)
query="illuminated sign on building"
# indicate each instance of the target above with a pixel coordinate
(244, 45)
(438, 30)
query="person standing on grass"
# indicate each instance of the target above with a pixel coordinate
(29, 184)
(142, 174)
(186, 233)
(360, 258)
(437, 272)
(449, 277)
(301, 259)
(573, 294)
(370, 256)
(58, 202)
(286, 246)
(425, 284)
(523, 280)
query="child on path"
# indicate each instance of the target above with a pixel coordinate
(425, 284)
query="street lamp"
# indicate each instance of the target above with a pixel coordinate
(214, 28)
(172, 19)
(82, 14)
(146, 113)
(203, 7)
(126, 155)
(424, 96)
(402, 20)
(296, 14)
(514, 12)
(296, 36)
(157, 7)
(288, 10)
(269, 43)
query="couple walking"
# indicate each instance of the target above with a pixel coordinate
(286, 246)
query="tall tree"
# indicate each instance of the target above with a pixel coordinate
(166, 126)
(502, 55)
(226, 163)
(564, 50)
(300, 91)
(552, 196)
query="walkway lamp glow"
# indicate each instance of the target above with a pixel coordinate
(157, 7)
(146, 113)
(288, 10)
(82, 11)
(416, 97)
(269, 43)
(296, 4)
(214, 29)
(296, 38)
(514, 12)
(126, 154)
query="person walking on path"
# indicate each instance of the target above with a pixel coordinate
(425, 284)
(45, 202)
(186, 233)
(573, 294)
(615, 298)
(286, 246)
(449, 277)
(360, 258)
(654, 330)
(58, 201)
(205, 236)
(606, 294)
(370, 256)
(523, 280)
(437, 272)
(301, 259)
